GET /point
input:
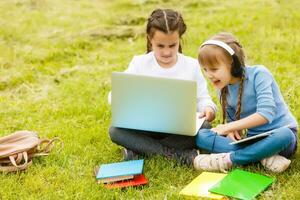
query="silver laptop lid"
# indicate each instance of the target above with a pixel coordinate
(154, 103)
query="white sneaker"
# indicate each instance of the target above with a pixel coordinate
(276, 163)
(212, 162)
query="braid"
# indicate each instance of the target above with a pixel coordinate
(181, 27)
(239, 103)
(223, 100)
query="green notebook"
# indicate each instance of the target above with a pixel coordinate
(242, 184)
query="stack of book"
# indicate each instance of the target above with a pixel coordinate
(122, 174)
(237, 184)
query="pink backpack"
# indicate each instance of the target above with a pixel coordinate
(18, 149)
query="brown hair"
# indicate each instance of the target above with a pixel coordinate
(211, 55)
(167, 21)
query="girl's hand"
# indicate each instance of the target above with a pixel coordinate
(221, 129)
(234, 136)
(208, 113)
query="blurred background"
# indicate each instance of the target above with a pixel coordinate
(56, 57)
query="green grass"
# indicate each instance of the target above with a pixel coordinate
(55, 63)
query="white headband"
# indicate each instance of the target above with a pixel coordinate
(220, 44)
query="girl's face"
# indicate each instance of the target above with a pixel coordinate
(220, 74)
(165, 47)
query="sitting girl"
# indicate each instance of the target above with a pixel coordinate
(251, 100)
(164, 58)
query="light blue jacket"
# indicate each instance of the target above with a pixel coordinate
(261, 95)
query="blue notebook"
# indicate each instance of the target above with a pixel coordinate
(120, 169)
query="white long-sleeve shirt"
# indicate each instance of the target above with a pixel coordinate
(186, 68)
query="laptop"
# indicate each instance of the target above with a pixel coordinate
(155, 104)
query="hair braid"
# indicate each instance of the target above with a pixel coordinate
(223, 100)
(239, 103)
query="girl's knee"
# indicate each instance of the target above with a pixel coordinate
(113, 133)
(285, 134)
(202, 136)
(204, 133)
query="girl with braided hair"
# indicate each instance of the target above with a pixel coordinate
(164, 58)
(251, 101)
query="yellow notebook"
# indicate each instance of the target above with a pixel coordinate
(199, 186)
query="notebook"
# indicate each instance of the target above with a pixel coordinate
(136, 181)
(154, 104)
(119, 171)
(242, 184)
(200, 185)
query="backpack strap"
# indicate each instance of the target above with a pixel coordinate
(13, 168)
(15, 161)
(46, 145)
(18, 158)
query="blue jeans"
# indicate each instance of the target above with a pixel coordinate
(282, 141)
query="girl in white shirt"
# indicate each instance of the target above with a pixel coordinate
(164, 59)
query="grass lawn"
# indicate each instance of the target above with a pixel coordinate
(56, 57)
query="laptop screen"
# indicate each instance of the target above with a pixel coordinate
(154, 103)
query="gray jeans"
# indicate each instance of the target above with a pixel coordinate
(149, 143)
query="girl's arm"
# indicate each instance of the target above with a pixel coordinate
(265, 107)
(251, 121)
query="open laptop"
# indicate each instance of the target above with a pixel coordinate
(154, 104)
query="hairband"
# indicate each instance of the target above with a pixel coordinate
(220, 44)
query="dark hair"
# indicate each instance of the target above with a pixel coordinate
(167, 21)
(212, 55)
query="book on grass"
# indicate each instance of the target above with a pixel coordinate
(242, 184)
(201, 184)
(119, 171)
(115, 179)
(136, 181)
